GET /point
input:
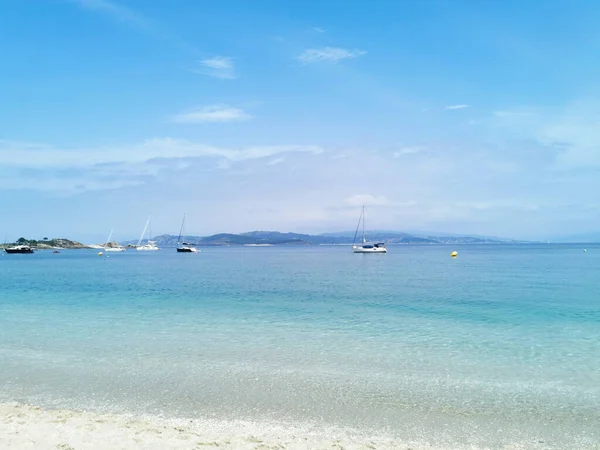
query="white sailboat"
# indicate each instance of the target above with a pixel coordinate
(366, 247)
(112, 249)
(184, 247)
(149, 245)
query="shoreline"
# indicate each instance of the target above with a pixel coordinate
(25, 426)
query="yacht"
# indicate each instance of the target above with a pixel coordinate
(184, 247)
(149, 245)
(366, 247)
(108, 248)
(24, 249)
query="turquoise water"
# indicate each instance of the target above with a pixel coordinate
(497, 346)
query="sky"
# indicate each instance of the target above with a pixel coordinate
(461, 117)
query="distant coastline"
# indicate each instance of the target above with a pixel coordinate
(268, 239)
(273, 238)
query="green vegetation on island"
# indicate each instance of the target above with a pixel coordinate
(46, 244)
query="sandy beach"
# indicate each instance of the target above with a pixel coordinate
(29, 427)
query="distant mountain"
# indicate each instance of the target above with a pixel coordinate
(343, 238)
(430, 237)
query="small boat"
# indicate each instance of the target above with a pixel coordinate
(149, 245)
(55, 252)
(184, 247)
(108, 248)
(366, 247)
(22, 249)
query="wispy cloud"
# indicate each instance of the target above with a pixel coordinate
(135, 20)
(512, 114)
(461, 106)
(20, 154)
(319, 29)
(117, 11)
(367, 199)
(408, 151)
(513, 204)
(212, 113)
(570, 135)
(46, 167)
(218, 67)
(314, 55)
(276, 161)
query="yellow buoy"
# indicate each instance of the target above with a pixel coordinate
(100, 253)
(454, 254)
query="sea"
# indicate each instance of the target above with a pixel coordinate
(496, 348)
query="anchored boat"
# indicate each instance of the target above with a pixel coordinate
(184, 247)
(23, 249)
(366, 247)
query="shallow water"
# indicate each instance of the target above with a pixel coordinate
(500, 345)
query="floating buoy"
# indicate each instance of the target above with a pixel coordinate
(454, 254)
(584, 250)
(100, 253)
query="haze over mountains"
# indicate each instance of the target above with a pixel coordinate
(341, 238)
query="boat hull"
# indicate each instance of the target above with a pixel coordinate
(147, 249)
(114, 249)
(360, 249)
(19, 251)
(187, 250)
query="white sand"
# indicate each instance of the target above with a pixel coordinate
(29, 427)
(25, 427)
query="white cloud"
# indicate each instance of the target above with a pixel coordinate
(212, 113)
(571, 136)
(313, 55)
(218, 67)
(452, 107)
(367, 199)
(31, 155)
(515, 114)
(319, 29)
(408, 151)
(218, 62)
(276, 161)
(512, 204)
(45, 167)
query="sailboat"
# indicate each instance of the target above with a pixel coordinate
(366, 247)
(112, 249)
(184, 247)
(149, 245)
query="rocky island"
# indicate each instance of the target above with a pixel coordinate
(46, 244)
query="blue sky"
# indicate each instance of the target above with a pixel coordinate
(462, 116)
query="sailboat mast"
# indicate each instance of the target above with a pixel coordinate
(181, 230)
(142, 235)
(109, 236)
(363, 216)
(358, 225)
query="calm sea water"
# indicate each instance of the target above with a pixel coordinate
(499, 345)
